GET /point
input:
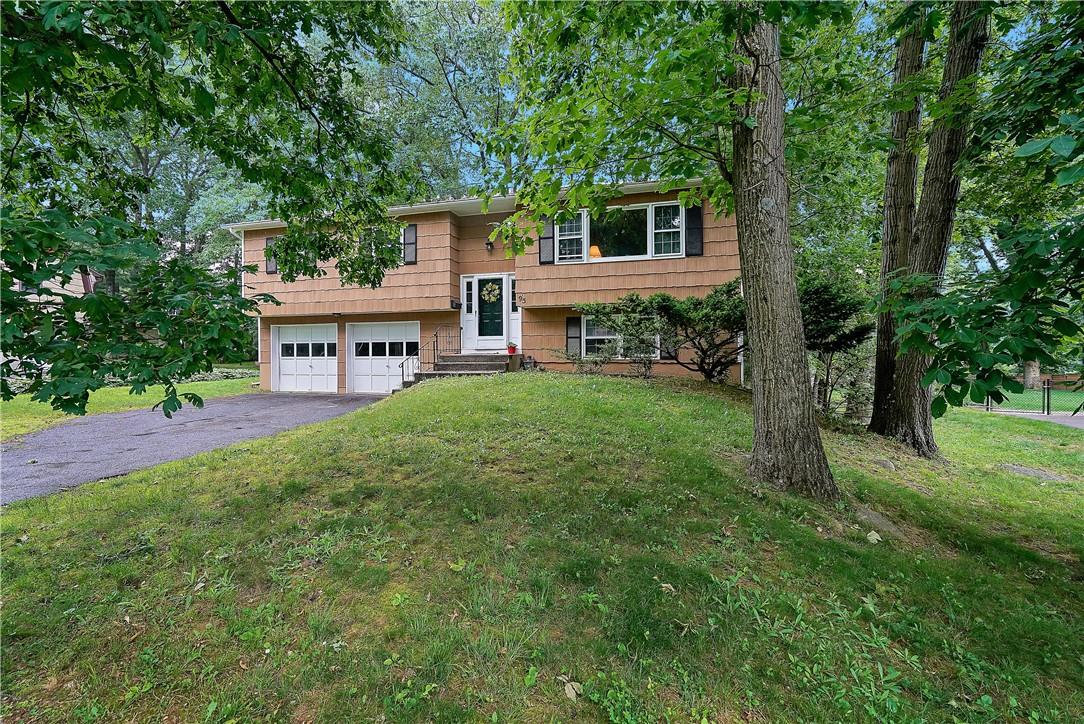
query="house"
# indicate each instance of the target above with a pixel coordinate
(457, 294)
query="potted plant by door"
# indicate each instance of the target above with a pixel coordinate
(512, 348)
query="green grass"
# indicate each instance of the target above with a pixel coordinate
(23, 415)
(463, 550)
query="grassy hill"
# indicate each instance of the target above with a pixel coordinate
(537, 547)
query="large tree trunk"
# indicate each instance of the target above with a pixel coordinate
(1033, 377)
(912, 423)
(787, 450)
(899, 210)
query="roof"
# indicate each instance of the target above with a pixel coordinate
(466, 206)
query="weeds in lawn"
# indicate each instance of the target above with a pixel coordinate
(598, 557)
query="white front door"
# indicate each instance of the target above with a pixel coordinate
(305, 357)
(376, 353)
(489, 317)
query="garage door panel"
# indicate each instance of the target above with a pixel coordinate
(307, 358)
(377, 350)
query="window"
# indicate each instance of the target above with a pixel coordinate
(286, 350)
(380, 349)
(270, 265)
(331, 349)
(411, 348)
(630, 232)
(619, 232)
(570, 238)
(470, 297)
(666, 229)
(302, 349)
(515, 305)
(361, 349)
(395, 349)
(317, 349)
(595, 337)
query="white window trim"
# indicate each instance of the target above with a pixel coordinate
(585, 221)
(585, 235)
(583, 341)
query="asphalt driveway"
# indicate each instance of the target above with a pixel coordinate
(94, 447)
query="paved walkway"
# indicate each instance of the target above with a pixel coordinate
(94, 447)
(1058, 418)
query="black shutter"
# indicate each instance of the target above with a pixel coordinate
(573, 336)
(694, 231)
(270, 266)
(410, 244)
(545, 242)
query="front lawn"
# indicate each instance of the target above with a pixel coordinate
(554, 547)
(23, 415)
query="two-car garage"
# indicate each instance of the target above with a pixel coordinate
(305, 357)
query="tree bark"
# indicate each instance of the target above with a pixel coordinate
(899, 210)
(1033, 378)
(911, 422)
(787, 450)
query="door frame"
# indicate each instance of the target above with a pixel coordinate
(469, 339)
(350, 327)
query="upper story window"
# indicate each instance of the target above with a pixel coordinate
(570, 238)
(270, 265)
(642, 231)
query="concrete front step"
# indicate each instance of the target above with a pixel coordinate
(436, 374)
(473, 357)
(458, 366)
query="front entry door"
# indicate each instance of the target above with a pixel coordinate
(491, 312)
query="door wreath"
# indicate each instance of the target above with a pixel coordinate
(491, 293)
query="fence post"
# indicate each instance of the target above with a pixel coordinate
(1047, 386)
(987, 405)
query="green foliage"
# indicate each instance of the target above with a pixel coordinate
(710, 326)
(261, 87)
(834, 316)
(614, 92)
(637, 325)
(1027, 302)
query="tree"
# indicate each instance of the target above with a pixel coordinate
(615, 92)
(835, 325)
(261, 87)
(710, 326)
(905, 413)
(899, 200)
(637, 326)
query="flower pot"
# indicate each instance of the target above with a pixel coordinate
(511, 349)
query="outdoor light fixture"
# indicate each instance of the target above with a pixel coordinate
(595, 252)
(489, 245)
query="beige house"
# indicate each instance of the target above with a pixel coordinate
(457, 298)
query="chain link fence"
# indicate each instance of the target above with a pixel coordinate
(1052, 398)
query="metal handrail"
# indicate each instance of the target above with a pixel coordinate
(447, 339)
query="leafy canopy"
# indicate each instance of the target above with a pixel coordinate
(260, 86)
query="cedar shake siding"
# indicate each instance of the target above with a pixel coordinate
(447, 240)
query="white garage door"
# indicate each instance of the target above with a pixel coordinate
(377, 350)
(307, 358)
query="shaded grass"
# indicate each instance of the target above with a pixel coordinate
(459, 551)
(24, 415)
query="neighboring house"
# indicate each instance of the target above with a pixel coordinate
(328, 338)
